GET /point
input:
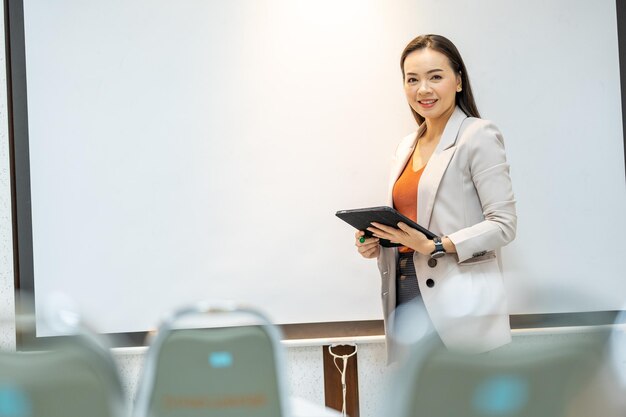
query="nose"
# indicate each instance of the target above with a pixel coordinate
(423, 88)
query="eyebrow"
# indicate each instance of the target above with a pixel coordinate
(428, 72)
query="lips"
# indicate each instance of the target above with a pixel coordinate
(427, 103)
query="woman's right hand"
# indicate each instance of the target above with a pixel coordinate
(369, 248)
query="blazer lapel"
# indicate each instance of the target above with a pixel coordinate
(436, 167)
(402, 157)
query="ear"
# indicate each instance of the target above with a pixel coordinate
(459, 82)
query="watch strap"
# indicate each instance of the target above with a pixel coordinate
(439, 249)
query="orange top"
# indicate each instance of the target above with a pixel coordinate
(405, 194)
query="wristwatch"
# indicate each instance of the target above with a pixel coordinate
(439, 250)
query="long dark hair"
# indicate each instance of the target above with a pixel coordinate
(464, 99)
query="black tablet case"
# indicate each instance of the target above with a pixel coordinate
(362, 218)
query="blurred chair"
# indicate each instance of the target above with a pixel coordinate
(213, 360)
(559, 375)
(65, 376)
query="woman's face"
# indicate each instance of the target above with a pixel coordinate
(430, 83)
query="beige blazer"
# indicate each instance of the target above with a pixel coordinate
(464, 193)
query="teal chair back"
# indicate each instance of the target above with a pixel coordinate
(64, 376)
(213, 360)
(544, 378)
(64, 382)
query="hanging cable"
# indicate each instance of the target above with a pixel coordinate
(342, 371)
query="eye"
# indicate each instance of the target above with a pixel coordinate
(437, 77)
(411, 80)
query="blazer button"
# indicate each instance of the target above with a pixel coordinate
(432, 262)
(430, 283)
(402, 277)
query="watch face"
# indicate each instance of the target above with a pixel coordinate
(436, 255)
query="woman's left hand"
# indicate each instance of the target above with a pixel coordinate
(405, 235)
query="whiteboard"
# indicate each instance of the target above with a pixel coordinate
(199, 149)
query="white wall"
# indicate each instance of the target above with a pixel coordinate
(202, 150)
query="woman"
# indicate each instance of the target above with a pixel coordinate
(452, 178)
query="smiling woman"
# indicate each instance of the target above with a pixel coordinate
(431, 85)
(464, 195)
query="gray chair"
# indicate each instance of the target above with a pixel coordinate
(66, 376)
(549, 376)
(213, 359)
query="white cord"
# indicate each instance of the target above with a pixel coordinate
(342, 371)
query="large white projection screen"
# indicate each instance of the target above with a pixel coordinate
(199, 149)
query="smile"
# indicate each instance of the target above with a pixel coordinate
(427, 103)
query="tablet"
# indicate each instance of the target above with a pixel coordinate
(362, 218)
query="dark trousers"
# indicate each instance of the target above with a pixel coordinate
(406, 280)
